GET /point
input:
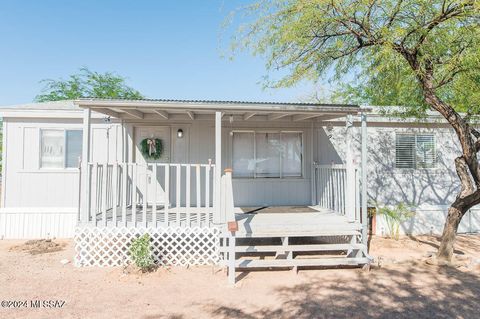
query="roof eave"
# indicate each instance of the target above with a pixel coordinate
(219, 106)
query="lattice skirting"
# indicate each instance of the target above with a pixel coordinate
(171, 246)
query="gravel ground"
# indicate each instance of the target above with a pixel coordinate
(399, 285)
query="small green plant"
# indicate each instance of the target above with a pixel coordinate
(141, 253)
(394, 216)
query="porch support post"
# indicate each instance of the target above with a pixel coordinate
(350, 172)
(364, 180)
(85, 185)
(218, 167)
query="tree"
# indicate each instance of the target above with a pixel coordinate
(87, 84)
(420, 53)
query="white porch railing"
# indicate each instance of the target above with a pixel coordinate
(330, 182)
(132, 194)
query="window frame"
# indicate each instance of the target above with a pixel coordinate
(415, 159)
(64, 157)
(254, 132)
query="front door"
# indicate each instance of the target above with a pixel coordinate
(145, 177)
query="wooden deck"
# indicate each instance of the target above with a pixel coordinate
(252, 221)
(292, 221)
(292, 237)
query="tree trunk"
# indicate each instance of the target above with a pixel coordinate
(466, 165)
(445, 251)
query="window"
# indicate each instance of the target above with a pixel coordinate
(415, 151)
(292, 154)
(60, 148)
(267, 154)
(243, 154)
(267, 157)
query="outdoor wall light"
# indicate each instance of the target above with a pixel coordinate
(180, 133)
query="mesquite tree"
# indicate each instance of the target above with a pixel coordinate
(425, 53)
(86, 84)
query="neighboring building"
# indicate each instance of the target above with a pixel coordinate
(282, 154)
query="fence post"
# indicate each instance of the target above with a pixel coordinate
(232, 224)
(364, 180)
(85, 191)
(350, 171)
(218, 167)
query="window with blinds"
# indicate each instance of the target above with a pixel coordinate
(267, 154)
(415, 151)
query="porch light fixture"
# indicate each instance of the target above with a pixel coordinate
(180, 133)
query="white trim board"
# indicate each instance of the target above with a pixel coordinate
(38, 210)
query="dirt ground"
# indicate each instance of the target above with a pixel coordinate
(399, 285)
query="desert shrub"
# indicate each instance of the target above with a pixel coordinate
(141, 253)
(394, 216)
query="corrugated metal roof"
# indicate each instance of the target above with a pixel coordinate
(52, 105)
(223, 102)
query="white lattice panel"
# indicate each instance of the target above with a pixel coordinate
(171, 246)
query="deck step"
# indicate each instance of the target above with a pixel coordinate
(296, 248)
(268, 263)
(296, 233)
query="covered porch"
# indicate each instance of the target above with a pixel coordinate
(135, 193)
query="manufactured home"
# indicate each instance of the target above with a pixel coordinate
(213, 181)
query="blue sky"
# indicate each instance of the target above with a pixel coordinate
(165, 49)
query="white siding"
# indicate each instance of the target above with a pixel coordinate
(18, 223)
(38, 202)
(430, 191)
(198, 146)
(430, 220)
(38, 196)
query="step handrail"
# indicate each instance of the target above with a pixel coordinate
(228, 212)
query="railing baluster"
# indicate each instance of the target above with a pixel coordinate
(198, 177)
(344, 190)
(95, 203)
(167, 194)
(357, 197)
(124, 193)
(207, 195)
(187, 198)
(104, 194)
(145, 197)
(214, 191)
(177, 193)
(115, 186)
(322, 187)
(119, 188)
(330, 182)
(134, 194)
(155, 190)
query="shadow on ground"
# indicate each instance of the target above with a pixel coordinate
(414, 291)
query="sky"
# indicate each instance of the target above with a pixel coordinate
(165, 49)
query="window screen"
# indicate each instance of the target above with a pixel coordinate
(60, 148)
(425, 151)
(52, 149)
(415, 151)
(267, 154)
(243, 154)
(73, 148)
(292, 154)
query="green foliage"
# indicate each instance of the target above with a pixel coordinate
(365, 48)
(87, 84)
(145, 148)
(141, 253)
(394, 216)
